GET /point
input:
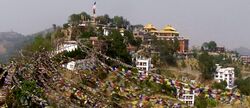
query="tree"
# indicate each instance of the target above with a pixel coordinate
(212, 46)
(206, 65)
(117, 48)
(23, 94)
(131, 40)
(209, 46)
(167, 49)
(222, 85)
(103, 19)
(204, 46)
(201, 101)
(243, 85)
(120, 22)
(40, 44)
(75, 19)
(57, 34)
(237, 72)
(85, 16)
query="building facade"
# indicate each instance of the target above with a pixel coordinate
(67, 46)
(245, 59)
(187, 96)
(168, 33)
(143, 64)
(225, 74)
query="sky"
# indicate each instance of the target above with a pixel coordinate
(225, 21)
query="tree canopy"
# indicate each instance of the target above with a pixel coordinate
(209, 46)
(167, 49)
(244, 86)
(206, 65)
(117, 47)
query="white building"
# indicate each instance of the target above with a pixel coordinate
(70, 66)
(187, 96)
(83, 64)
(67, 46)
(143, 64)
(225, 74)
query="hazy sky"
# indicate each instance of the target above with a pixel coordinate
(225, 21)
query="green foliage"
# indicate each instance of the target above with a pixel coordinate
(243, 85)
(76, 19)
(223, 60)
(76, 54)
(103, 19)
(58, 34)
(120, 22)
(209, 46)
(212, 102)
(237, 72)
(222, 85)
(201, 101)
(206, 65)
(169, 90)
(131, 40)
(40, 44)
(167, 49)
(89, 32)
(183, 64)
(156, 60)
(117, 48)
(66, 25)
(24, 93)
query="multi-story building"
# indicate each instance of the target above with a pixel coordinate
(168, 33)
(225, 74)
(143, 64)
(186, 95)
(67, 46)
(245, 59)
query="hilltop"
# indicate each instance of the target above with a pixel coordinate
(100, 62)
(10, 43)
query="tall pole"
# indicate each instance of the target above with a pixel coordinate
(94, 11)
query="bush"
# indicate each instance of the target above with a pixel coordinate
(222, 85)
(201, 101)
(243, 86)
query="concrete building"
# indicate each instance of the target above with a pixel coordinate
(83, 64)
(225, 74)
(245, 59)
(67, 46)
(143, 64)
(187, 96)
(70, 66)
(168, 33)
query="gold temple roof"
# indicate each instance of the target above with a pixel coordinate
(149, 26)
(169, 28)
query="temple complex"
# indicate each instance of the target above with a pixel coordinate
(168, 33)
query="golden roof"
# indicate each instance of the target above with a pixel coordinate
(149, 26)
(169, 28)
(163, 31)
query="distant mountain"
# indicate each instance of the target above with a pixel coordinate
(10, 43)
(243, 51)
